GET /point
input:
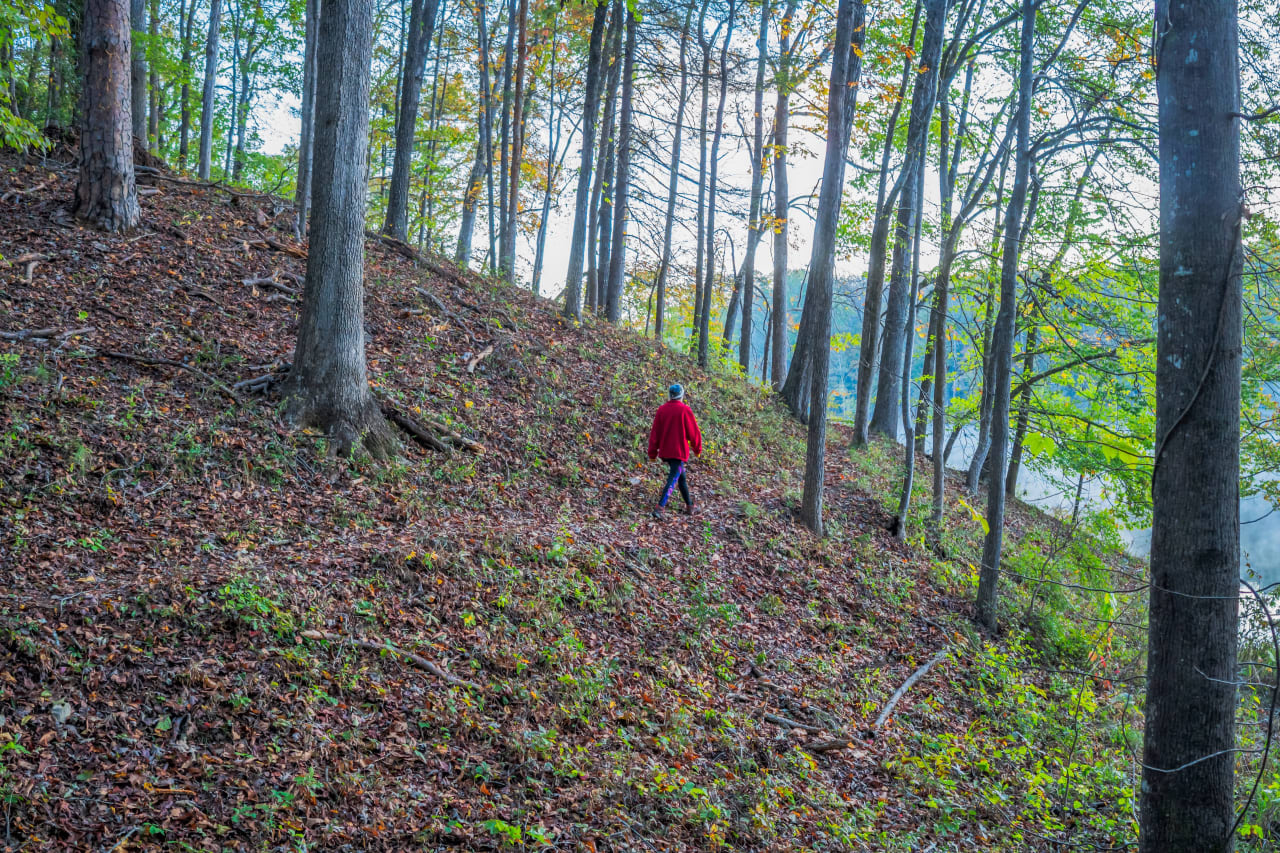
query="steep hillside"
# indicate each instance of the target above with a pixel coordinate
(213, 635)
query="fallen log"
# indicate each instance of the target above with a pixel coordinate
(906, 685)
(414, 429)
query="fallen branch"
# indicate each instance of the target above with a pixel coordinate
(830, 745)
(479, 357)
(271, 283)
(792, 724)
(414, 429)
(906, 685)
(461, 441)
(440, 307)
(417, 660)
(398, 246)
(43, 334)
(168, 362)
(14, 195)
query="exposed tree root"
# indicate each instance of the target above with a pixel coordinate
(416, 660)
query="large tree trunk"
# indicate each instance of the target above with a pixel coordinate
(106, 196)
(1189, 757)
(591, 103)
(846, 72)
(777, 353)
(302, 198)
(210, 83)
(617, 259)
(884, 417)
(708, 285)
(138, 69)
(673, 180)
(328, 385)
(1002, 340)
(422, 21)
(746, 281)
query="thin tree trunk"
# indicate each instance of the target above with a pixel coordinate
(153, 77)
(106, 196)
(210, 82)
(884, 415)
(475, 183)
(302, 198)
(673, 179)
(700, 260)
(777, 352)
(422, 22)
(908, 441)
(869, 345)
(1024, 416)
(1002, 341)
(504, 140)
(708, 286)
(613, 304)
(577, 243)
(846, 72)
(517, 147)
(184, 119)
(553, 146)
(601, 206)
(138, 69)
(1189, 747)
(328, 385)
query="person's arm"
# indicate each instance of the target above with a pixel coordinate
(653, 439)
(695, 433)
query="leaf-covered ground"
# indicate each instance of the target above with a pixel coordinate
(201, 611)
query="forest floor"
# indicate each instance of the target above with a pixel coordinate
(203, 614)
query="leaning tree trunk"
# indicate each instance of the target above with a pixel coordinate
(1189, 753)
(422, 22)
(591, 104)
(617, 259)
(302, 198)
(1002, 339)
(328, 384)
(673, 179)
(884, 415)
(846, 73)
(210, 82)
(138, 69)
(106, 196)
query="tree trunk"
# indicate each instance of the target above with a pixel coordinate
(138, 69)
(328, 386)
(210, 82)
(422, 22)
(1188, 757)
(591, 101)
(673, 180)
(908, 441)
(777, 354)
(601, 206)
(708, 288)
(1024, 417)
(617, 259)
(846, 72)
(747, 275)
(106, 196)
(517, 147)
(504, 141)
(153, 77)
(184, 115)
(884, 415)
(553, 147)
(484, 145)
(1002, 340)
(302, 198)
(869, 345)
(700, 216)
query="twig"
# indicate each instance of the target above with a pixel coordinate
(906, 685)
(168, 362)
(417, 660)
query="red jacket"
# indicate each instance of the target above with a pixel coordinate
(674, 431)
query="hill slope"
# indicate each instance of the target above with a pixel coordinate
(215, 636)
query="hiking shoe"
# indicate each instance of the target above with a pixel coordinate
(689, 509)
(656, 515)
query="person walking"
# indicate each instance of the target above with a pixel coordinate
(674, 432)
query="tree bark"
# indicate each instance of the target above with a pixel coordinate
(153, 77)
(846, 72)
(884, 415)
(484, 147)
(1188, 757)
(422, 22)
(553, 147)
(328, 387)
(617, 259)
(700, 216)
(138, 69)
(673, 180)
(302, 198)
(601, 221)
(1002, 340)
(591, 101)
(210, 82)
(188, 20)
(908, 440)
(106, 196)
(504, 144)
